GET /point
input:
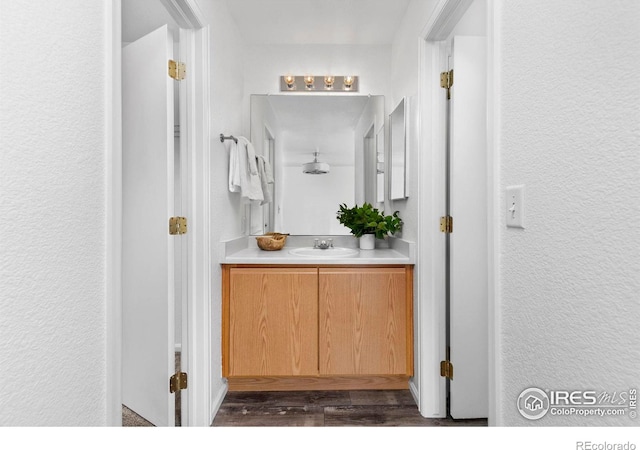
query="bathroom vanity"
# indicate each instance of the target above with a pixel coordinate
(301, 323)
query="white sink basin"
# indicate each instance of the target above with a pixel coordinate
(334, 252)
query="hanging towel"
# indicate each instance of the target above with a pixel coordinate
(234, 168)
(266, 178)
(243, 171)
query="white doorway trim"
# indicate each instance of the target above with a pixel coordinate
(113, 136)
(199, 272)
(493, 213)
(196, 55)
(431, 275)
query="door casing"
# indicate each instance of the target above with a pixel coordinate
(194, 42)
(428, 387)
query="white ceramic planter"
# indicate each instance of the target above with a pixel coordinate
(367, 242)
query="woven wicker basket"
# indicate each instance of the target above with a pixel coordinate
(271, 241)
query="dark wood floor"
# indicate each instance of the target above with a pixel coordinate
(327, 408)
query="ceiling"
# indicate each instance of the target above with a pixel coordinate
(317, 122)
(140, 17)
(354, 22)
(349, 22)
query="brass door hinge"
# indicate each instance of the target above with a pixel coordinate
(446, 81)
(177, 225)
(446, 224)
(446, 369)
(177, 70)
(178, 382)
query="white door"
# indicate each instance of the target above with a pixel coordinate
(147, 248)
(468, 242)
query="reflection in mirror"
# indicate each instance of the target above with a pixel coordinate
(370, 159)
(292, 131)
(397, 138)
(380, 166)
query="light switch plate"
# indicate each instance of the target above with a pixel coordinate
(514, 207)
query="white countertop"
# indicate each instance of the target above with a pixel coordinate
(246, 252)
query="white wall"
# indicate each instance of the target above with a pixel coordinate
(226, 61)
(404, 73)
(307, 204)
(52, 184)
(308, 212)
(569, 130)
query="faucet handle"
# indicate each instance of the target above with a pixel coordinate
(330, 241)
(315, 243)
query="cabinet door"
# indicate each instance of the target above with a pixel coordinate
(273, 321)
(364, 321)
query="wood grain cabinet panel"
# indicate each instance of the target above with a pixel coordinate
(316, 328)
(273, 321)
(365, 321)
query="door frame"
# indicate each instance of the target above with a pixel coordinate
(195, 53)
(431, 340)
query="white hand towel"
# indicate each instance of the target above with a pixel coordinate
(251, 155)
(250, 185)
(266, 178)
(234, 168)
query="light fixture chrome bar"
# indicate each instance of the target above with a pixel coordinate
(320, 83)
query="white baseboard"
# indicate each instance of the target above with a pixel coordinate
(415, 392)
(216, 402)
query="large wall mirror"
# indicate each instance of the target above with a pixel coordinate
(398, 153)
(324, 150)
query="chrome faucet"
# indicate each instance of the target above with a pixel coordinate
(323, 244)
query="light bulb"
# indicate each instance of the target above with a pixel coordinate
(348, 81)
(328, 82)
(308, 81)
(290, 81)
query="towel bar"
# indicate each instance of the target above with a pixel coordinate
(223, 138)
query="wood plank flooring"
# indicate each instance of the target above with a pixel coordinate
(395, 408)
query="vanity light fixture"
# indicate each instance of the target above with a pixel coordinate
(324, 83)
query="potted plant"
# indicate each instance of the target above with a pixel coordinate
(368, 223)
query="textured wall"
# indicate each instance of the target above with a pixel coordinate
(569, 130)
(52, 186)
(226, 90)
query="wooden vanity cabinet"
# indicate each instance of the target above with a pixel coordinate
(273, 322)
(317, 327)
(364, 320)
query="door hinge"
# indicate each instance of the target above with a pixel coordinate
(177, 70)
(177, 225)
(446, 366)
(446, 81)
(446, 224)
(177, 382)
(446, 369)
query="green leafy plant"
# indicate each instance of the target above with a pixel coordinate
(366, 219)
